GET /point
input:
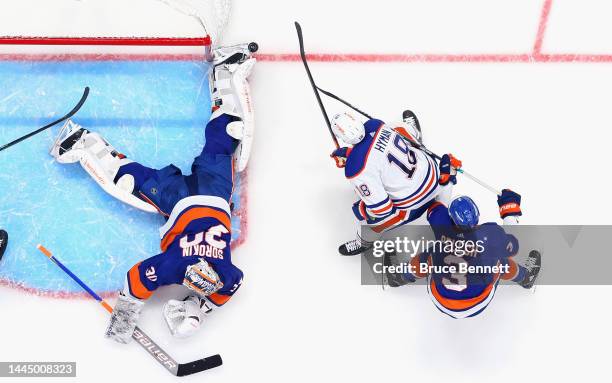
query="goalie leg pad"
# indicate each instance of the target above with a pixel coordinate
(231, 95)
(100, 160)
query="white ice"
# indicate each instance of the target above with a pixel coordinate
(302, 315)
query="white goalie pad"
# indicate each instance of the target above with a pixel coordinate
(100, 160)
(232, 90)
(243, 94)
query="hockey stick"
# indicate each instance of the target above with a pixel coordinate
(315, 88)
(143, 339)
(412, 143)
(67, 116)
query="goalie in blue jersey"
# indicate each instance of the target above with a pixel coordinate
(195, 241)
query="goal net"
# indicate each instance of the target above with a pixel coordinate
(112, 29)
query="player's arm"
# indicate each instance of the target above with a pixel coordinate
(374, 201)
(509, 204)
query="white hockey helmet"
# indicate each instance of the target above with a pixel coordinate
(347, 128)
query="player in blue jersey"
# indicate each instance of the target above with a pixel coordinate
(395, 181)
(462, 279)
(195, 241)
(3, 242)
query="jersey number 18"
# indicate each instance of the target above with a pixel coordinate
(410, 156)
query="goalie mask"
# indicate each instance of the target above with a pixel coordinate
(202, 279)
(348, 129)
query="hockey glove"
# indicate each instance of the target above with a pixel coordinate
(340, 155)
(509, 204)
(359, 209)
(448, 169)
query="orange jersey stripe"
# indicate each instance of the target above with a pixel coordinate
(387, 206)
(188, 217)
(399, 217)
(512, 273)
(461, 304)
(137, 289)
(219, 299)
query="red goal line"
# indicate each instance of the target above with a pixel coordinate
(108, 41)
(25, 48)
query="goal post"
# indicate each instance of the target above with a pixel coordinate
(148, 30)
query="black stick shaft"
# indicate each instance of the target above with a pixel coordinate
(312, 83)
(331, 95)
(67, 116)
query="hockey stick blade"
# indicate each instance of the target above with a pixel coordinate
(315, 89)
(199, 365)
(67, 116)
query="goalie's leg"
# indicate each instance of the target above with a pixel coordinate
(101, 161)
(231, 95)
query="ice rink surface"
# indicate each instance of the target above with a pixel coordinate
(541, 128)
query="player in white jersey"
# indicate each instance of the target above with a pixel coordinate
(395, 181)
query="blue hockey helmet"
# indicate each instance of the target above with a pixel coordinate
(464, 212)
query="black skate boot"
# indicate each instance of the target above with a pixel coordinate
(354, 247)
(533, 264)
(3, 242)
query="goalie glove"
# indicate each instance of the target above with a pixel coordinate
(340, 155)
(202, 279)
(185, 317)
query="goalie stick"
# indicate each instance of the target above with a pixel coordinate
(161, 356)
(317, 89)
(67, 116)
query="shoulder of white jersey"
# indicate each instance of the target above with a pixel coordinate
(357, 160)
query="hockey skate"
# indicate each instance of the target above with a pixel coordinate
(234, 54)
(412, 121)
(533, 264)
(354, 247)
(3, 242)
(66, 147)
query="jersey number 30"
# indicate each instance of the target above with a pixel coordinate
(402, 146)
